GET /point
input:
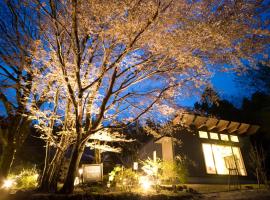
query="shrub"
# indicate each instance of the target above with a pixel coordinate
(175, 171)
(113, 174)
(125, 178)
(26, 179)
(151, 167)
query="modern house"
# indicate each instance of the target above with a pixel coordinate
(219, 148)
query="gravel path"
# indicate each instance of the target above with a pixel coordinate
(239, 195)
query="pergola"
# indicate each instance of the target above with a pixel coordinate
(214, 124)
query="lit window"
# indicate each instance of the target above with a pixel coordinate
(214, 136)
(209, 159)
(220, 153)
(203, 134)
(220, 159)
(239, 161)
(234, 138)
(224, 137)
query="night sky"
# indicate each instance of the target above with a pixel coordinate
(224, 83)
(227, 87)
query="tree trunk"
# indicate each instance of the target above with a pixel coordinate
(43, 185)
(68, 186)
(54, 170)
(97, 155)
(258, 177)
(55, 177)
(6, 160)
(49, 178)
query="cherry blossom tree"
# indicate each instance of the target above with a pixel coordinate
(119, 60)
(103, 141)
(51, 113)
(58, 131)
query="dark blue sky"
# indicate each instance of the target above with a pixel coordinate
(227, 87)
(223, 82)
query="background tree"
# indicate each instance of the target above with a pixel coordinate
(256, 77)
(120, 59)
(211, 104)
(19, 37)
(257, 162)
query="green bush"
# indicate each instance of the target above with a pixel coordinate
(175, 171)
(151, 167)
(26, 179)
(124, 178)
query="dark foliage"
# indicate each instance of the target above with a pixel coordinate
(256, 78)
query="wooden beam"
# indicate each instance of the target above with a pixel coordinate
(211, 123)
(222, 125)
(199, 121)
(188, 119)
(243, 128)
(233, 126)
(252, 129)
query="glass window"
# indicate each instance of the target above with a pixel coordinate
(224, 137)
(221, 152)
(208, 158)
(214, 136)
(234, 138)
(203, 134)
(239, 161)
(221, 159)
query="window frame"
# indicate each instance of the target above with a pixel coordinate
(211, 136)
(234, 136)
(224, 135)
(203, 132)
(241, 170)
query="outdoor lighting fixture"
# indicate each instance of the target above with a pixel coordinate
(135, 166)
(145, 182)
(8, 183)
(155, 156)
(146, 185)
(80, 171)
(76, 181)
(36, 176)
(81, 175)
(110, 178)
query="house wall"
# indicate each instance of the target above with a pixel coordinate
(245, 145)
(149, 148)
(167, 148)
(192, 148)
